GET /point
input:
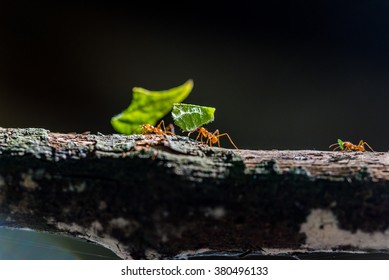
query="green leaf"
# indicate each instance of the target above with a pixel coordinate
(340, 142)
(147, 107)
(189, 117)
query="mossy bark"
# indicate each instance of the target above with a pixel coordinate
(156, 196)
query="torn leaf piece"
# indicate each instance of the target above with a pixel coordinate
(340, 142)
(147, 107)
(189, 117)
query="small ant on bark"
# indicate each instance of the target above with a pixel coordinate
(148, 128)
(348, 146)
(212, 138)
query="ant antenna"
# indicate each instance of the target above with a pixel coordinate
(229, 138)
(369, 146)
(335, 144)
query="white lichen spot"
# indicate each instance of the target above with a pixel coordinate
(104, 240)
(27, 180)
(216, 213)
(119, 222)
(73, 228)
(322, 232)
(50, 220)
(79, 187)
(126, 226)
(186, 254)
(96, 227)
(152, 254)
(9, 219)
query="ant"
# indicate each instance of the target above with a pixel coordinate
(348, 146)
(212, 138)
(148, 128)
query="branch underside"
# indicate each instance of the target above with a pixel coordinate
(156, 196)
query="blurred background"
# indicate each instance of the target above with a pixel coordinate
(281, 74)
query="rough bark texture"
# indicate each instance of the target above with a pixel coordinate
(155, 196)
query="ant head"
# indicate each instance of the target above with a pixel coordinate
(145, 126)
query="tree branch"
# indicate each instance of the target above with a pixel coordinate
(153, 196)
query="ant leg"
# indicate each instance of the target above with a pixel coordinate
(217, 135)
(164, 129)
(209, 139)
(143, 128)
(198, 136)
(208, 142)
(161, 123)
(368, 146)
(156, 129)
(204, 134)
(190, 132)
(362, 143)
(170, 129)
(229, 138)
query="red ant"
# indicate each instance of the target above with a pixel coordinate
(348, 146)
(148, 128)
(212, 138)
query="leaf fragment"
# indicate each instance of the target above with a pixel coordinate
(147, 107)
(340, 142)
(189, 117)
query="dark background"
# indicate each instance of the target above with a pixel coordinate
(281, 74)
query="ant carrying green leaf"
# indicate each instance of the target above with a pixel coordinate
(348, 146)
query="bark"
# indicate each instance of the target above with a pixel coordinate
(157, 196)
